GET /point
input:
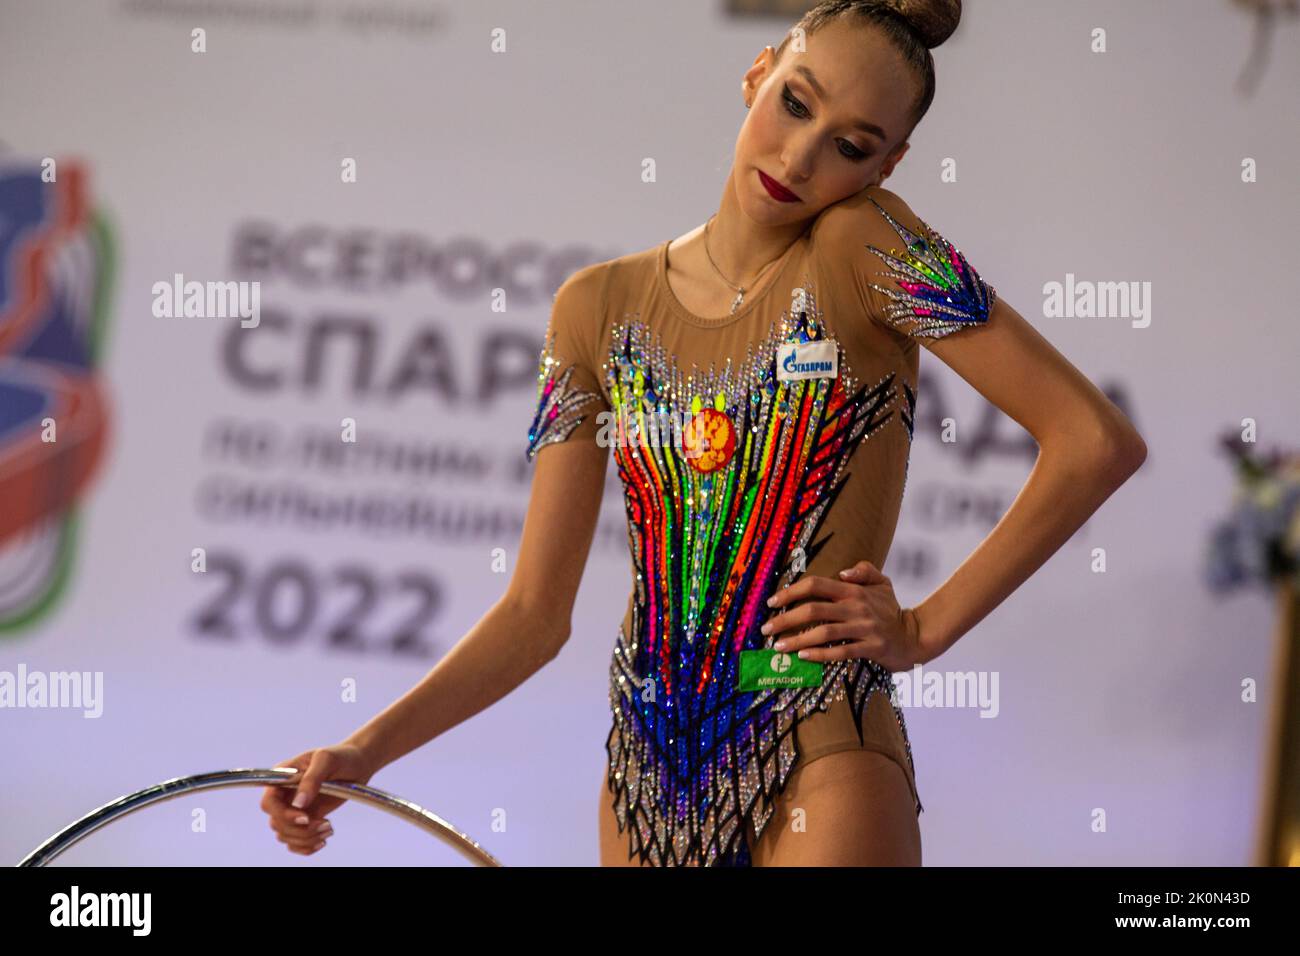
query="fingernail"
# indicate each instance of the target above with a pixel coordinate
(779, 645)
(771, 602)
(319, 845)
(325, 827)
(845, 574)
(803, 654)
(300, 800)
(766, 628)
(302, 820)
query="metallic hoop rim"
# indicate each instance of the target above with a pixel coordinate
(276, 776)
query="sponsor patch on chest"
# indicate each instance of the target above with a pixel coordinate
(801, 360)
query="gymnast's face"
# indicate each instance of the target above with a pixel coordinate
(801, 130)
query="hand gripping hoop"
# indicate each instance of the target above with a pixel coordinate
(277, 776)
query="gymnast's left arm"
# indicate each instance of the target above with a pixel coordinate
(1087, 448)
(917, 286)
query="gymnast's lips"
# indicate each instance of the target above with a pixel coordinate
(776, 190)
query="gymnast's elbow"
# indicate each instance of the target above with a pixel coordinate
(1121, 450)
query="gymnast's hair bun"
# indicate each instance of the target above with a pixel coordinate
(933, 21)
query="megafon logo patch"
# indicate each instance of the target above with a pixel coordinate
(55, 266)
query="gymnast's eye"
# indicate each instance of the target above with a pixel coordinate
(794, 107)
(853, 152)
(797, 109)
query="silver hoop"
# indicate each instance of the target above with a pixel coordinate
(278, 777)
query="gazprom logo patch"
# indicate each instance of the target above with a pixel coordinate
(801, 360)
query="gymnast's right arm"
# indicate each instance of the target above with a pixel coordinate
(519, 634)
(525, 628)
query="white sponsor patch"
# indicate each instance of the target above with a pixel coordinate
(800, 360)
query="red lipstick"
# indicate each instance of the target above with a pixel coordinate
(776, 190)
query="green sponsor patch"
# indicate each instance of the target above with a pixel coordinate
(768, 669)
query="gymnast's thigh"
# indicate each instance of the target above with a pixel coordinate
(847, 808)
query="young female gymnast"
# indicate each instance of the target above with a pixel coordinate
(755, 381)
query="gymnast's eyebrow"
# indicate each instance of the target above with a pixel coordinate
(821, 95)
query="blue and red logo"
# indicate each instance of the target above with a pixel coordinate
(55, 265)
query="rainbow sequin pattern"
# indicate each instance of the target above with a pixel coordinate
(560, 403)
(691, 757)
(938, 292)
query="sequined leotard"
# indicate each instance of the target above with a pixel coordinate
(738, 479)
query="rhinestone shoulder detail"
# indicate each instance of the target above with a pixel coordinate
(559, 403)
(940, 291)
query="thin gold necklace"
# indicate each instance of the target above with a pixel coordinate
(740, 290)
